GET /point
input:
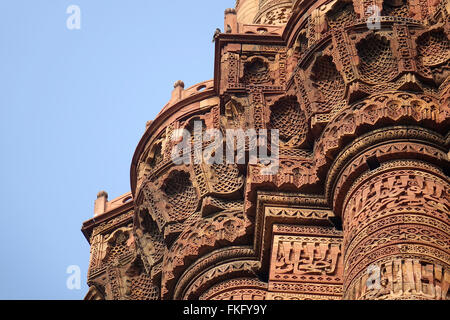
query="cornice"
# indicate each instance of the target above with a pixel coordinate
(89, 225)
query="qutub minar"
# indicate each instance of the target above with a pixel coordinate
(360, 206)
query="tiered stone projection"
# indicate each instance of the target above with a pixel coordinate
(359, 205)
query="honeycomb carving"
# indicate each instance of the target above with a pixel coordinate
(377, 61)
(256, 72)
(139, 285)
(181, 194)
(341, 15)
(117, 246)
(433, 48)
(227, 178)
(395, 8)
(327, 79)
(289, 119)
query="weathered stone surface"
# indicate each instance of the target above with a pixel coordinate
(360, 205)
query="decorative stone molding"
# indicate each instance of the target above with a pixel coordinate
(362, 189)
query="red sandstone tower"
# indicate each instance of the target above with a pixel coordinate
(360, 205)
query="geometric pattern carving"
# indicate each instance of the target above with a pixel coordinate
(341, 15)
(225, 227)
(395, 8)
(289, 119)
(256, 72)
(117, 246)
(139, 284)
(377, 61)
(403, 209)
(433, 48)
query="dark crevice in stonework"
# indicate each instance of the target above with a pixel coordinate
(329, 83)
(447, 170)
(373, 163)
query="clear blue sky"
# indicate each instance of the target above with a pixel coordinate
(73, 106)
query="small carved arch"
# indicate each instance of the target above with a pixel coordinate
(220, 272)
(192, 126)
(204, 236)
(138, 283)
(341, 14)
(245, 288)
(180, 193)
(190, 123)
(395, 8)
(377, 62)
(287, 116)
(207, 261)
(118, 244)
(393, 107)
(328, 81)
(256, 71)
(433, 47)
(151, 158)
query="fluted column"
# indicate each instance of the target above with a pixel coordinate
(396, 233)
